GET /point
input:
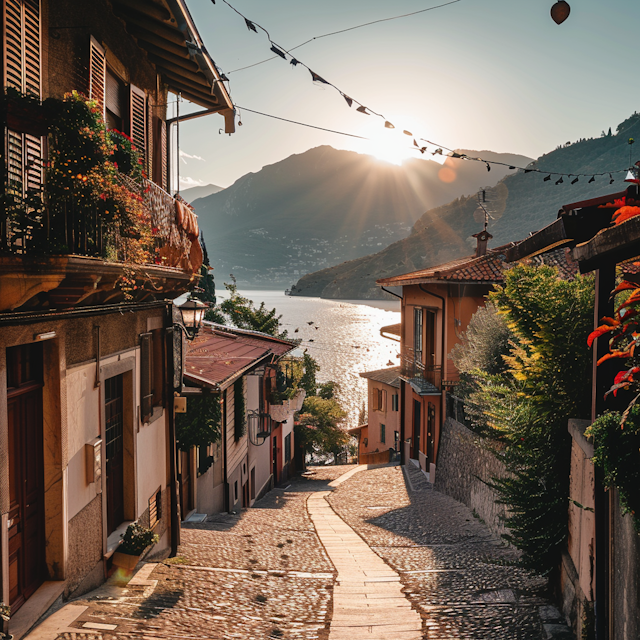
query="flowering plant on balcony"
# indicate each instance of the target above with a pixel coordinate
(125, 156)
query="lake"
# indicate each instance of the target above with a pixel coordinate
(342, 335)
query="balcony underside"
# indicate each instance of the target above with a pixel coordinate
(59, 282)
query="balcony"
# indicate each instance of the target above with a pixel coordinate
(98, 231)
(425, 380)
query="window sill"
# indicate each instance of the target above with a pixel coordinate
(157, 414)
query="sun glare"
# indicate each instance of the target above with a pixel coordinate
(391, 149)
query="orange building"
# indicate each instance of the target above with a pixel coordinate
(437, 305)
(382, 431)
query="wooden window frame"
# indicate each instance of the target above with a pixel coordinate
(155, 508)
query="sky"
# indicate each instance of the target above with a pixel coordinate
(477, 74)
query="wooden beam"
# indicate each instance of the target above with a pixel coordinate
(151, 9)
(187, 68)
(196, 86)
(198, 98)
(159, 28)
(145, 36)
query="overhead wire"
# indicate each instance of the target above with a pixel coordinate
(333, 33)
(281, 51)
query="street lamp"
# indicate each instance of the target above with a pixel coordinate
(192, 312)
(259, 427)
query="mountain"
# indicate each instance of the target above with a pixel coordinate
(193, 193)
(519, 204)
(324, 206)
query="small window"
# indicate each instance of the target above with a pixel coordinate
(151, 372)
(235, 490)
(394, 402)
(379, 399)
(155, 508)
(287, 448)
(383, 434)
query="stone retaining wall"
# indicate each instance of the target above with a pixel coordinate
(463, 468)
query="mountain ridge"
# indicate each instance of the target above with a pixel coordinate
(324, 206)
(519, 204)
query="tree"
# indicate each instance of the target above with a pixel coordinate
(241, 312)
(200, 426)
(319, 425)
(526, 407)
(308, 381)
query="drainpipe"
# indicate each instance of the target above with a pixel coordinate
(171, 415)
(392, 293)
(225, 477)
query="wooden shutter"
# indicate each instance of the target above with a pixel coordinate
(97, 73)
(150, 141)
(22, 72)
(146, 376)
(139, 122)
(163, 150)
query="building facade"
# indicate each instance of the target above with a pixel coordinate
(87, 340)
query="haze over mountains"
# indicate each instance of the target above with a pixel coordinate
(323, 207)
(519, 204)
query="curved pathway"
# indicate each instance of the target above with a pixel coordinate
(367, 598)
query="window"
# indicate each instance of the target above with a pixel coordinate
(394, 402)
(115, 102)
(417, 334)
(287, 448)
(383, 433)
(151, 372)
(155, 508)
(235, 491)
(379, 399)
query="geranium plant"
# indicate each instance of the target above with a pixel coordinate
(616, 436)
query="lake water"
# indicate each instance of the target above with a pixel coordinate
(344, 338)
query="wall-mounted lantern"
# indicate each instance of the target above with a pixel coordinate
(192, 312)
(259, 427)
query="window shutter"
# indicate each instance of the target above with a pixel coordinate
(32, 47)
(383, 403)
(146, 377)
(15, 161)
(163, 150)
(139, 122)
(97, 73)
(13, 44)
(150, 143)
(113, 95)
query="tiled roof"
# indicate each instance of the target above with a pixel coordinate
(488, 269)
(393, 329)
(389, 376)
(218, 357)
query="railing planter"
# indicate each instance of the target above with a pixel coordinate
(25, 114)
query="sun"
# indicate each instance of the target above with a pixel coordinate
(390, 148)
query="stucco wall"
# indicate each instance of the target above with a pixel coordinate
(462, 466)
(85, 543)
(389, 418)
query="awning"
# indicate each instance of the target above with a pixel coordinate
(167, 32)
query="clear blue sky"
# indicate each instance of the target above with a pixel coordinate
(478, 74)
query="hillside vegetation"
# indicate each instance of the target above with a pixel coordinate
(520, 204)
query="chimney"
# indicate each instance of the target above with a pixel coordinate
(483, 239)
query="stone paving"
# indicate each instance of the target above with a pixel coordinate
(380, 555)
(456, 574)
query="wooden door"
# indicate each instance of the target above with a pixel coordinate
(431, 432)
(114, 428)
(185, 484)
(417, 423)
(27, 562)
(275, 459)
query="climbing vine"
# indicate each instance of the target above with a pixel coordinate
(200, 426)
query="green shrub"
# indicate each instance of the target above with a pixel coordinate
(136, 539)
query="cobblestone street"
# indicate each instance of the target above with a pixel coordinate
(296, 566)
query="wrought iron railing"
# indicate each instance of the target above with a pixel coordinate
(40, 225)
(413, 368)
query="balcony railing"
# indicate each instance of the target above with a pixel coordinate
(427, 378)
(42, 226)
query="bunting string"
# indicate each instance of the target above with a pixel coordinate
(282, 52)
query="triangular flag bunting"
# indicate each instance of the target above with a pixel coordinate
(348, 99)
(415, 144)
(388, 125)
(316, 78)
(294, 62)
(250, 25)
(437, 152)
(488, 166)
(423, 149)
(362, 109)
(278, 52)
(407, 133)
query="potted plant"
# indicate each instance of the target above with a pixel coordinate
(135, 541)
(5, 613)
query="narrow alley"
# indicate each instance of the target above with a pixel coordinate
(344, 552)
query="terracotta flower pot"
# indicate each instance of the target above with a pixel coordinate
(125, 561)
